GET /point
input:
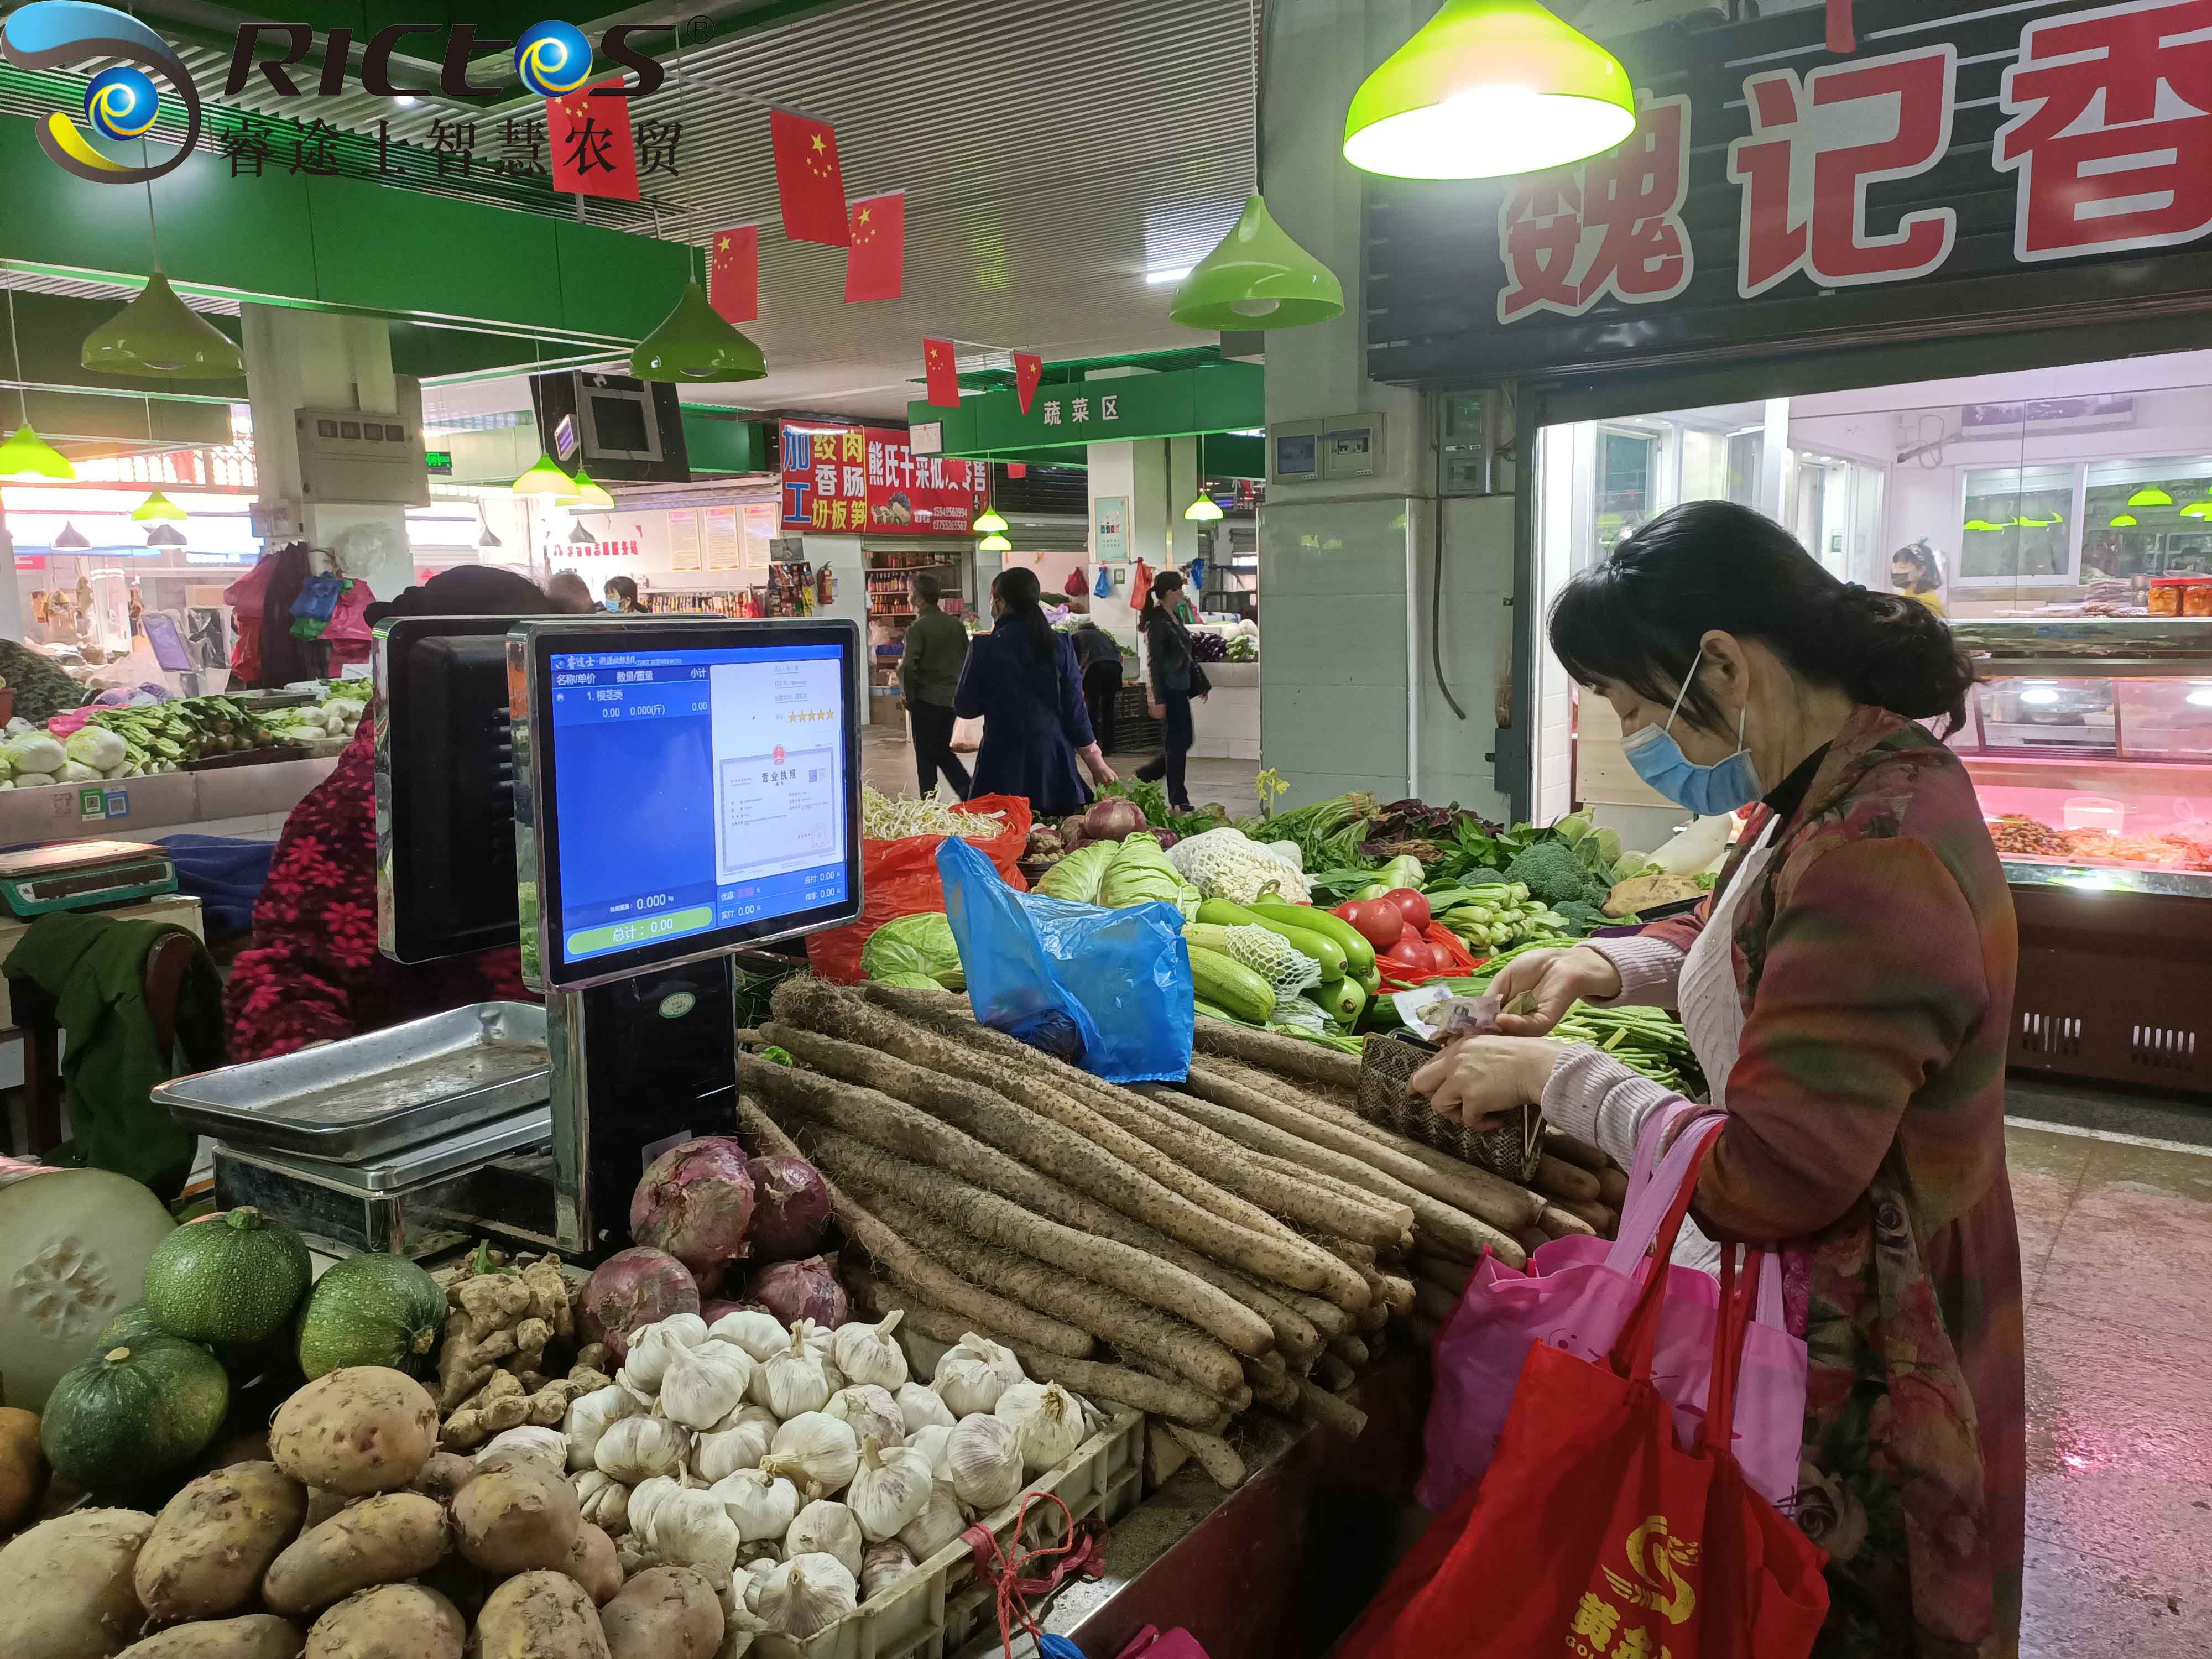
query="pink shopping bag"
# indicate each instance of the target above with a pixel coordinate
(1576, 1295)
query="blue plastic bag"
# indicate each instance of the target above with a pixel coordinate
(1107, 990)
(1105, 588)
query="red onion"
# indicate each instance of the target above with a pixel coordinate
(713, 1311)
(792, 1208)
(695, 1202)
(631, 1288)
(1113, 820)
(794, 1291)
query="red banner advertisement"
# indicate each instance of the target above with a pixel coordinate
(863, 478)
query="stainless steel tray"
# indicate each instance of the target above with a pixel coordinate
(348, 1102)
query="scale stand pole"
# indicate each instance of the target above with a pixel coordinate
(572, 1122)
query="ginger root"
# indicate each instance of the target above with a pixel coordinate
(497, 1406)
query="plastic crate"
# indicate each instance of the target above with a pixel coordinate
(941, 1604)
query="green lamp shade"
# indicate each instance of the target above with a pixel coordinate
(992, 522)
(2150, 496)
(1489, 88)
(995, 543)
(694, 343)
(157, 334)
(589, 492)
(2197, 510)
(71, 539)
(546, 478)
(1257, 278)
(156, 505)
(1982, 524)
(2123, 520)
(1205, 509)
(27, 458)
(165, 535)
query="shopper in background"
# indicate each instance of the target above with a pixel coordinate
(1021, 681)
(1176, 679)
(569, 594)
(1848, 987)
(621, 597)
(929, 679)
(1099, 657)
(1917, 572)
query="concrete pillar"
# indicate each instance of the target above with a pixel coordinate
(315, 360)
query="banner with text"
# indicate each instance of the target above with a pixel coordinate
(863, 478)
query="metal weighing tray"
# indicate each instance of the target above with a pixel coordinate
(352, 1101)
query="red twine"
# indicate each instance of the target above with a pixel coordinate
(1077, 1553)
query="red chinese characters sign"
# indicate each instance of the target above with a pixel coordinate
(1611, 225)
(864, 479)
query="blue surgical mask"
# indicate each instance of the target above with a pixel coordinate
(1707, 791)
(613, 605)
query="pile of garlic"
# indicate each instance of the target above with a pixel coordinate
(804, 1467)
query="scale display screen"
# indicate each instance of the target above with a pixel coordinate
(698, 788)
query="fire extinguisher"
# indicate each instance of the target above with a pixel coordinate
(825, 587)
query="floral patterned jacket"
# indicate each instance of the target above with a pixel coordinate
(1866, 1127)
(313, 972)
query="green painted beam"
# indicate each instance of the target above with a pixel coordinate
(1216, 398)
(60, 416)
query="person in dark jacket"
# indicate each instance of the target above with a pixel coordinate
(1176, 679)
(42, 689)
(1021, 681)
(929, 678)
(1098, 656)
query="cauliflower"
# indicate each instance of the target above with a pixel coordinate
(1227, 864)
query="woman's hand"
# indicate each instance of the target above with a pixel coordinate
(1094, 762)
(1478, 1080)
(1159, 710)
(1557, 979)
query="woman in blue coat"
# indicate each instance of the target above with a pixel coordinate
(1021, 681)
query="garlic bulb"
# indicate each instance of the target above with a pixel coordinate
(723, 1452)
(972, 1374)
(807, 1594)
(795, 1381)
(1047, 1423)
(703, 1385)
(939, 1523)
(592, 1415)
(870, 1353)
(636, 1448)
(762, 1504)
(889, 1489)
(869, 1410)
(756, 1331)
(930, 1440)
(604, 1501)
(882, 1565)
(546, 1446)
(646, 1500)
(748, 1412)
(815, 1452)
(985, 1460)
(751, 1579)
(691, 1528)
(817, 1338)
(651, 1347)
(827, 1529)
(920, 1405)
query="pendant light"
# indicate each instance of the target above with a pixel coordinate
(165, 535)
(2123, 520)
(26, 456)
(589, 492)
(2150, 496)
(546, 478)
(1203, 508)
(70, 540)
(2197, 510)
(1257, 278)
(992, 522)
(994, 543)
(157, 506)
(1489, 88)
(579, 537)
(158, 334)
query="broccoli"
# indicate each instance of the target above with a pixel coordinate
(1584, 915)
(1554, 874)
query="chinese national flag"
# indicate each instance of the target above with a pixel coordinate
(593, 151)
(1017, 469)
(943, 377)
(1842, 37)
(808, 178)
(733, 274)
(875, 268)
(1029, 369)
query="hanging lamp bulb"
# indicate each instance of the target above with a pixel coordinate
(589, 493)
(2122, 520)
(1204, 510)
(1489, 88)
(158, 334)
(694, 343)
(165, 535)
(70, 540)
(1257, 278)
(579, 537)
(157, 506)
(992, 520)
(2150, 496)
(994, 543)
(546, 478)
(25, 458)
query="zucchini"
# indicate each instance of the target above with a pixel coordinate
(1359, 954)
(1230, 986)
(1322, 947)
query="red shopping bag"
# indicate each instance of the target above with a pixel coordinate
(1593, 1533)
(899, 878)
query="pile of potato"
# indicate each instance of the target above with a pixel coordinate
(358, 1540)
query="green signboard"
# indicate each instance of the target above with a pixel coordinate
(1216, 397)
(439, 460)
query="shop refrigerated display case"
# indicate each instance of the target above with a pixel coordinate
(2089, 742)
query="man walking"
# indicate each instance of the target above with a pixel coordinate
(929, 676)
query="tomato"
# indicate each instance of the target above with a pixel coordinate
(1376, 921)
(1409, 958)
(1411, 906)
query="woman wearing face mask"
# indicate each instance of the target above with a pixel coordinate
(622, 597)
(1848, 987)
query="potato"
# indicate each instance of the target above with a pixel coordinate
(362, 1429)
(592, 1563)
(65, 1585)
(393, 1621)
(664, 1612)
(444, 1475)
(250, 1636)
(322, 1505)
(517, 1517)
(379, 1541)
(540, 1615)
(213, 1540)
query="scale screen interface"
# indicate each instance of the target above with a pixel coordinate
(696, 790)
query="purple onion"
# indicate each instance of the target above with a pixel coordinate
(791, 1208)
(630, 1289)
(695, 1202)
(794, 1291)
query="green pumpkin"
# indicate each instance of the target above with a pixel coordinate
(234, 1277)
(372, 1311)
(133, 1412)
(129, 1325)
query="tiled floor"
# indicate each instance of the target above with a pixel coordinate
(887, 762)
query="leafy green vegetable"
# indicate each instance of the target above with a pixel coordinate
(917, 946)
(1328, 833)
(908, 982)
(1076, 878)
(1553, 872)
(1151, 799)
(1140, 874)
(1404, 871)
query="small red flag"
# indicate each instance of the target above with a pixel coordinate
(1842, 37)
(592, 151)
(1029, 369)
(875, 268)
(733, 274)
(1017, 469)
(942, 376)
(808, 178)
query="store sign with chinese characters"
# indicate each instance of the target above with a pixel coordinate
(868, 478)
(1881, 183)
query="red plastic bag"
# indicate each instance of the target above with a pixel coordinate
(899, 878)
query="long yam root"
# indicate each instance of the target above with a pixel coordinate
(1322, 1407)
(1291, 1056)
(1214, 1454)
